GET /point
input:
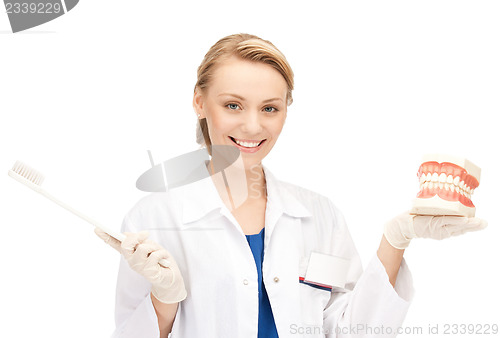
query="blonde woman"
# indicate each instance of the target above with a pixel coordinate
(278, 263)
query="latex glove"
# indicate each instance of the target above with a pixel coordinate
(402, 229)
(143, 255)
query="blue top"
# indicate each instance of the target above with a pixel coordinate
(267, 327)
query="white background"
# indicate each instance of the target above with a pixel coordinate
(378, 84)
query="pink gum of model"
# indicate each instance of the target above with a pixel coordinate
(446, 186)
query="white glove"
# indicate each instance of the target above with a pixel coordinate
(143, 255)
(402, 229)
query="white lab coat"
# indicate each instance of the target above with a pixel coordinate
(219, 271)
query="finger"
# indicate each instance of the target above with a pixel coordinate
(101, 234)
(132, 239)
(481, 223)
(143, 250)
(142, 236)
(157, 273)
(164, 262)
(156, 256)
(449, 220)
(153, 261)
(473, 224)
(114, 243)
(145, 260)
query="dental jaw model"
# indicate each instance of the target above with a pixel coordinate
(446, 186)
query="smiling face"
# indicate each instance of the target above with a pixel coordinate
(244, 106)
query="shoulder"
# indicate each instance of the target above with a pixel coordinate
(152, 201)
(326, 231)
(318, 204)
(153, 207)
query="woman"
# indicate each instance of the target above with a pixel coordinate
(278, 261)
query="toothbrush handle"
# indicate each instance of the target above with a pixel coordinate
(120, 237)
(117, 235)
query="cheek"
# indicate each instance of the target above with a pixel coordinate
(218, 124)
(278, 127)
(218, 121)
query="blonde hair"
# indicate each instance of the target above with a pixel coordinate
(247, 47)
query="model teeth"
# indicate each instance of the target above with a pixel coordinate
(455, 184)
(247, 144)
(447, 181)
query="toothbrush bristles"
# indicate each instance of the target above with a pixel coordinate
(27, 172)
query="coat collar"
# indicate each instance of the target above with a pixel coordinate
(201, 197)
(282, 198)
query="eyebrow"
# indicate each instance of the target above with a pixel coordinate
(242, 99)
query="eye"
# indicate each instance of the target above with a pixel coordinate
(270, 109)
(232, 106)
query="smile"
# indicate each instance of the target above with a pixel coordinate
(247, 145)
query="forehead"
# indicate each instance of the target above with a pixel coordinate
(247, 78)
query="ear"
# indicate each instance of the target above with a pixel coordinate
(198, 103)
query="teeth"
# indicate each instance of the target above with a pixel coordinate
(441, 181)
(247, 144)
(422, 179)
(435, 177)
(442, 178)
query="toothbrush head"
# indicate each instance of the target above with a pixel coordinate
(26, 172)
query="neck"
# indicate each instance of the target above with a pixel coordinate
(239, 185)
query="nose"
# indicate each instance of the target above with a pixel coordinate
(252, 123)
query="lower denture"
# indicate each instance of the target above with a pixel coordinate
(433, 188)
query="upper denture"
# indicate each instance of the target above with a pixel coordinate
(447, 180)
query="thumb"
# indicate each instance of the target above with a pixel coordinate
(472, 224)
(478, 223)
(111, 241)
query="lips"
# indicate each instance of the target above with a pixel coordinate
(245, 141)
(245, 146)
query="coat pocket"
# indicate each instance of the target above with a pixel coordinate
(313, 300)
(319, 273)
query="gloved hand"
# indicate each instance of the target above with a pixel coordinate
(143, 255)
(402, 229)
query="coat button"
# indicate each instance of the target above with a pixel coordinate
(276, 279)
(245, 282)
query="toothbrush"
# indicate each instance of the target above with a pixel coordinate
(33, 179)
